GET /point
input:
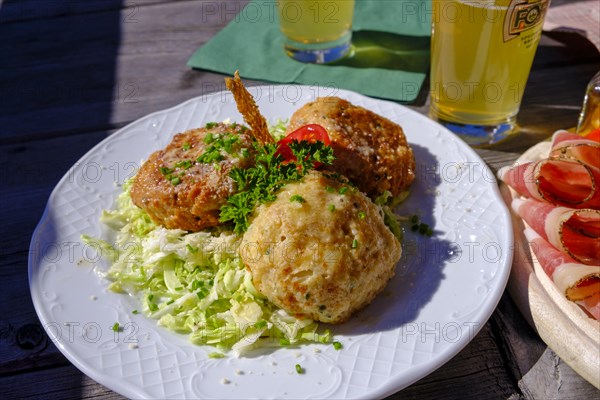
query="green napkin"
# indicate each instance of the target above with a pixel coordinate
(391, 58)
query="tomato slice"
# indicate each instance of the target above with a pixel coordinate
(311, 133)
(594, 135)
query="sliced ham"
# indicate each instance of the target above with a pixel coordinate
(559, 181)
(591, 305)
(577, 281)
(570, 145)
(576, 232)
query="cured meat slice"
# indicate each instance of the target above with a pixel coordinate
(559, 181)
(576, 232)
(592, 305)
(577, 281)
(570, 145)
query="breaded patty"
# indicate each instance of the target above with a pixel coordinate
(321, 250)
(370, 150)
(184, 185)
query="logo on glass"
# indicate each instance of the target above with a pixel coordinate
(522, 16)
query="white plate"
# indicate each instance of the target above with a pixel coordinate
(445, 289)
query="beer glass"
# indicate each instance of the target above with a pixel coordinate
(481, 54)
(316, 31)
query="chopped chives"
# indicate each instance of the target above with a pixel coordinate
(260, 324)
(297, 198)
(299, 369)
(337, 345)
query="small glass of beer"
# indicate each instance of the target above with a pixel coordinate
(481, 54)
(316, 31)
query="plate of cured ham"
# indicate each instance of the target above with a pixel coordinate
(554, 192)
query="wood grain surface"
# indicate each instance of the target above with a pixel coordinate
(73, 72)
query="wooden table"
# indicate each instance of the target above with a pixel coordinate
(72, 73)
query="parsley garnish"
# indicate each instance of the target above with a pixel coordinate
(217, 144)
(259, 183)
(418, 226)
(297, 198)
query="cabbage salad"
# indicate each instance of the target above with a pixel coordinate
(194, 284)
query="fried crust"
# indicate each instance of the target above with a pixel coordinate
(249, 110)
(369, 149)
(194, 202)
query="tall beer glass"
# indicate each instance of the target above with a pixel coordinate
(481, 54)
(316, 31)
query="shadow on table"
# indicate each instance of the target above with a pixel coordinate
(421, 268)
(373, 49)
(58, 66)
(57, 73)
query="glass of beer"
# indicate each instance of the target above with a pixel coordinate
(316, 31)
(481, 54)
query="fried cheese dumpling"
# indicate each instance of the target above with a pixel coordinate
(183, 185)
(321, 250)
(370, 150)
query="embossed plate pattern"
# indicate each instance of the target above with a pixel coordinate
(445, 287)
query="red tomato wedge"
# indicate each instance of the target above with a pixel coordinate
(594, 135)
(311, 133)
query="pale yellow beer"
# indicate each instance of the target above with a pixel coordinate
(482, 51)
(322, 26)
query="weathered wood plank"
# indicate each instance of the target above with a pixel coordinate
(29, 173)
(65, 382)
(14, 11)
(87, 87)
(98, 72)
(551, 378)
(103, 68)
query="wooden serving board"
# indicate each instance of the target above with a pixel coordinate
(562, 324)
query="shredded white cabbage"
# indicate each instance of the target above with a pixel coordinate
(195, 284)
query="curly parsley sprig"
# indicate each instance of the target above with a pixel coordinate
(259, 183)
